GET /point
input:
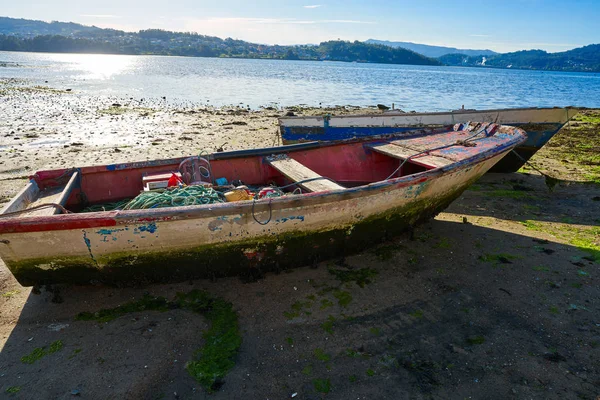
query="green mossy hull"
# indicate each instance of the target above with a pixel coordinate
(270, 253)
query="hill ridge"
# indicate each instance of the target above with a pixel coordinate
(432, 50)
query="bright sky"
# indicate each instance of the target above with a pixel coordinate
(500, 25)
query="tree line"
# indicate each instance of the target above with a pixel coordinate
(161, 42)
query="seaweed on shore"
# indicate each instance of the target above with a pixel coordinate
(41, 352)
(361, 277)
(222, 340)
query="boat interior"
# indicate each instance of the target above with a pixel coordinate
(304, 168)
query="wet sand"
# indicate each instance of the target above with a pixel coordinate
(503, 306)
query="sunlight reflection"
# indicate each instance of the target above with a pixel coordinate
(101, 66)
(98, 66)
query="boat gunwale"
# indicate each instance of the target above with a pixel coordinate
(419, 114)
(99, 219)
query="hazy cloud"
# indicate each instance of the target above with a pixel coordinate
(479, 35)
(276, 30)
(314, 6)
(344, 21)
(283, 21)
(100, 16)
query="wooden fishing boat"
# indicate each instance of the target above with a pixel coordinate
(539, 123)
(333, 199)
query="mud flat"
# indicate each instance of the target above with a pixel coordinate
(498, 297)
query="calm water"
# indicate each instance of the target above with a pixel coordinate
(261, 82)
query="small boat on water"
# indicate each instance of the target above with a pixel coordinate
(539, 123)
(239, 211)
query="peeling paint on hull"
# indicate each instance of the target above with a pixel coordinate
(270, 253)
(180, 247)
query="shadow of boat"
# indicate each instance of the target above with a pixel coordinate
(526, 197)
(483, 303)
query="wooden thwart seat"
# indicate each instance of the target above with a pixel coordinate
(31, 197)
(402, 153)
(298, 173)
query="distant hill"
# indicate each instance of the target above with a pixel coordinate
(432, 51)
(31, 28)
(338, 50)
(69, 37)
(583, 59)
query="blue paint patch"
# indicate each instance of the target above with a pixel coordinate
(88, 244)
(110, 231)
(293, 217)
(419, 188)
(150, 228)
(415, 190)
(218, 222)
(87, 241)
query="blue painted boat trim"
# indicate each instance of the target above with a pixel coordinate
(328, 133)
(535, 139)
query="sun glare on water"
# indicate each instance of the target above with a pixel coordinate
(98, 66)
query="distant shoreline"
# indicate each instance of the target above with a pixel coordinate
(334, 50)
(486, 67)
(224, 57)
(74, 38)
(180, 55)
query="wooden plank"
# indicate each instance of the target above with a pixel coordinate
(425, 143)
(25, 197)
(403, 153)
(62, 200)
(298, 172)
(55, 195)
(50, 195)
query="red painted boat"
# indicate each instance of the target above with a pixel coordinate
(331, 199)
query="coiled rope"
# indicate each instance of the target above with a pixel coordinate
(185, 196)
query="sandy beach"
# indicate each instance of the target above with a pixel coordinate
(498, 297)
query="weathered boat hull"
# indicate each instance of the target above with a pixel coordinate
(541, 124)
(180, 244)
(364, 192)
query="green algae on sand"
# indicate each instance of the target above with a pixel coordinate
(41, 352)
(222, 340)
